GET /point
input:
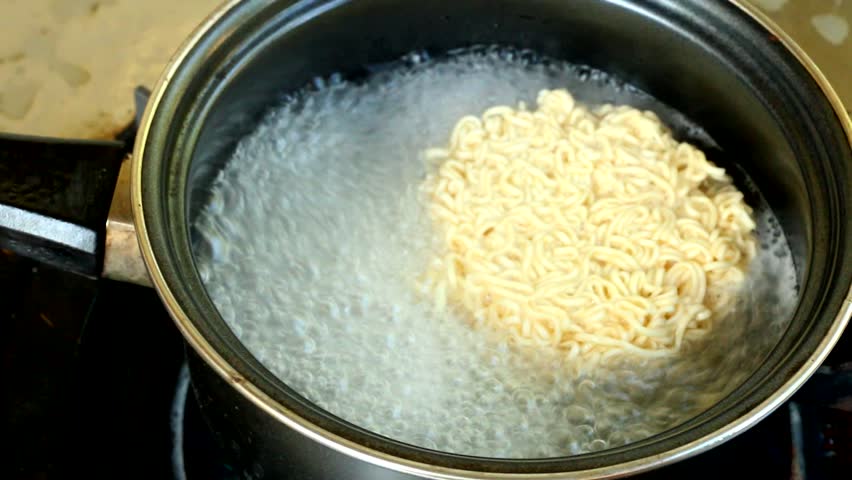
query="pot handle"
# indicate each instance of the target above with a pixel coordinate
(122, 256)
(55, 197)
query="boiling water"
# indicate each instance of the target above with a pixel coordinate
(313, 238)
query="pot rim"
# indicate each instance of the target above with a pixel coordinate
(316, 433)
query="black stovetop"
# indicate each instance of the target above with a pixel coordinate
(94, 385)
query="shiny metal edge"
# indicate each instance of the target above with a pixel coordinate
(314, 432)
(44, 227)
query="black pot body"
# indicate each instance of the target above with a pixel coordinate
(709, 60)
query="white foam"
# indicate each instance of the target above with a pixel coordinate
(313, 238)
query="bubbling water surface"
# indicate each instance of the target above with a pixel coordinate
(313, 239)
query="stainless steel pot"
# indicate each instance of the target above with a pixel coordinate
(721, 63)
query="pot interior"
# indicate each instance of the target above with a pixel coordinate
(707, 60)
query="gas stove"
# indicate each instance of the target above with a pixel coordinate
(96, 385)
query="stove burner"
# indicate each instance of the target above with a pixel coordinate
(176, 421)
(195, 452)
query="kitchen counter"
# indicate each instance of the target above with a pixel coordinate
(68, 67)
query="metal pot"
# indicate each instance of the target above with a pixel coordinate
(721, 63)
